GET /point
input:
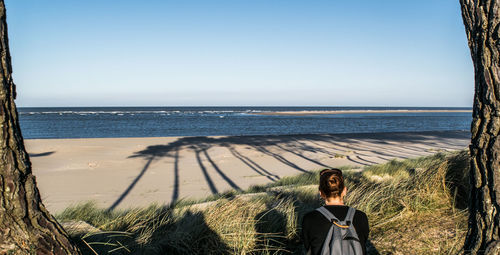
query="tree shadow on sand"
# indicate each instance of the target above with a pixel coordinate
(274, 146)
(200, 147)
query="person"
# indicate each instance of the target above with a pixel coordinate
(315, 226)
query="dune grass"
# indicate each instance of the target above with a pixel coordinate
(415, 206)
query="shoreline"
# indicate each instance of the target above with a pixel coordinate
(255, 136)
(303, 113)
(120, 173)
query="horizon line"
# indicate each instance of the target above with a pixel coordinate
(264, 106)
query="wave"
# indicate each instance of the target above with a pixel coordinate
(239, 111)
(215, 112)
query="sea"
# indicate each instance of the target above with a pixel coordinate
(100, 122)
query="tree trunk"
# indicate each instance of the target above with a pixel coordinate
(481, 19)
(26, 227)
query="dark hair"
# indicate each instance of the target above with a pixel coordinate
(331, 182)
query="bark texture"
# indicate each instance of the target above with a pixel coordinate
(26, 227)
(481, 19)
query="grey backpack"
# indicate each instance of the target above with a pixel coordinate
(342, 238)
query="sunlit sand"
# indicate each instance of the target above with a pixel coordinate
(131, 172)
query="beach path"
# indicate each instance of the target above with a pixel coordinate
(119, 173)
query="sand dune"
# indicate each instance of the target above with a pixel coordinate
(130, 172)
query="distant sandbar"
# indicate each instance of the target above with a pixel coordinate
(302, 113)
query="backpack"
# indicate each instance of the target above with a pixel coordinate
(342, 238)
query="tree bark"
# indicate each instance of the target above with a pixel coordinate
(481, 19)
(26, 227)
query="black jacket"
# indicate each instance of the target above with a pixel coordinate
(315, 227)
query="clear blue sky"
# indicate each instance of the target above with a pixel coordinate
(239, 52)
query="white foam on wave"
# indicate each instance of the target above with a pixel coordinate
(138, 112)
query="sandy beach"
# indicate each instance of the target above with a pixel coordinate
(121, 173)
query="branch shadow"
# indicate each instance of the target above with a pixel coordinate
(203, 169)
(224, 176)
(43, 154)
(253, 165)
(302, 156)
(131, 186)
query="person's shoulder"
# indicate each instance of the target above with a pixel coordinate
(313, 215)
(360, 215)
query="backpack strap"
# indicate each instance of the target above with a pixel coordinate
(333, 240)
(350, 216)
(327, 214)
(351, 232)
(348, 221)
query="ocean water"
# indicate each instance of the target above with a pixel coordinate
(95, 122)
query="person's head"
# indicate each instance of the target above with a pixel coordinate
(331, 184)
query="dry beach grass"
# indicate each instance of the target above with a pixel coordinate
(415, 206)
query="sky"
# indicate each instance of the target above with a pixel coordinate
(239, 53)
